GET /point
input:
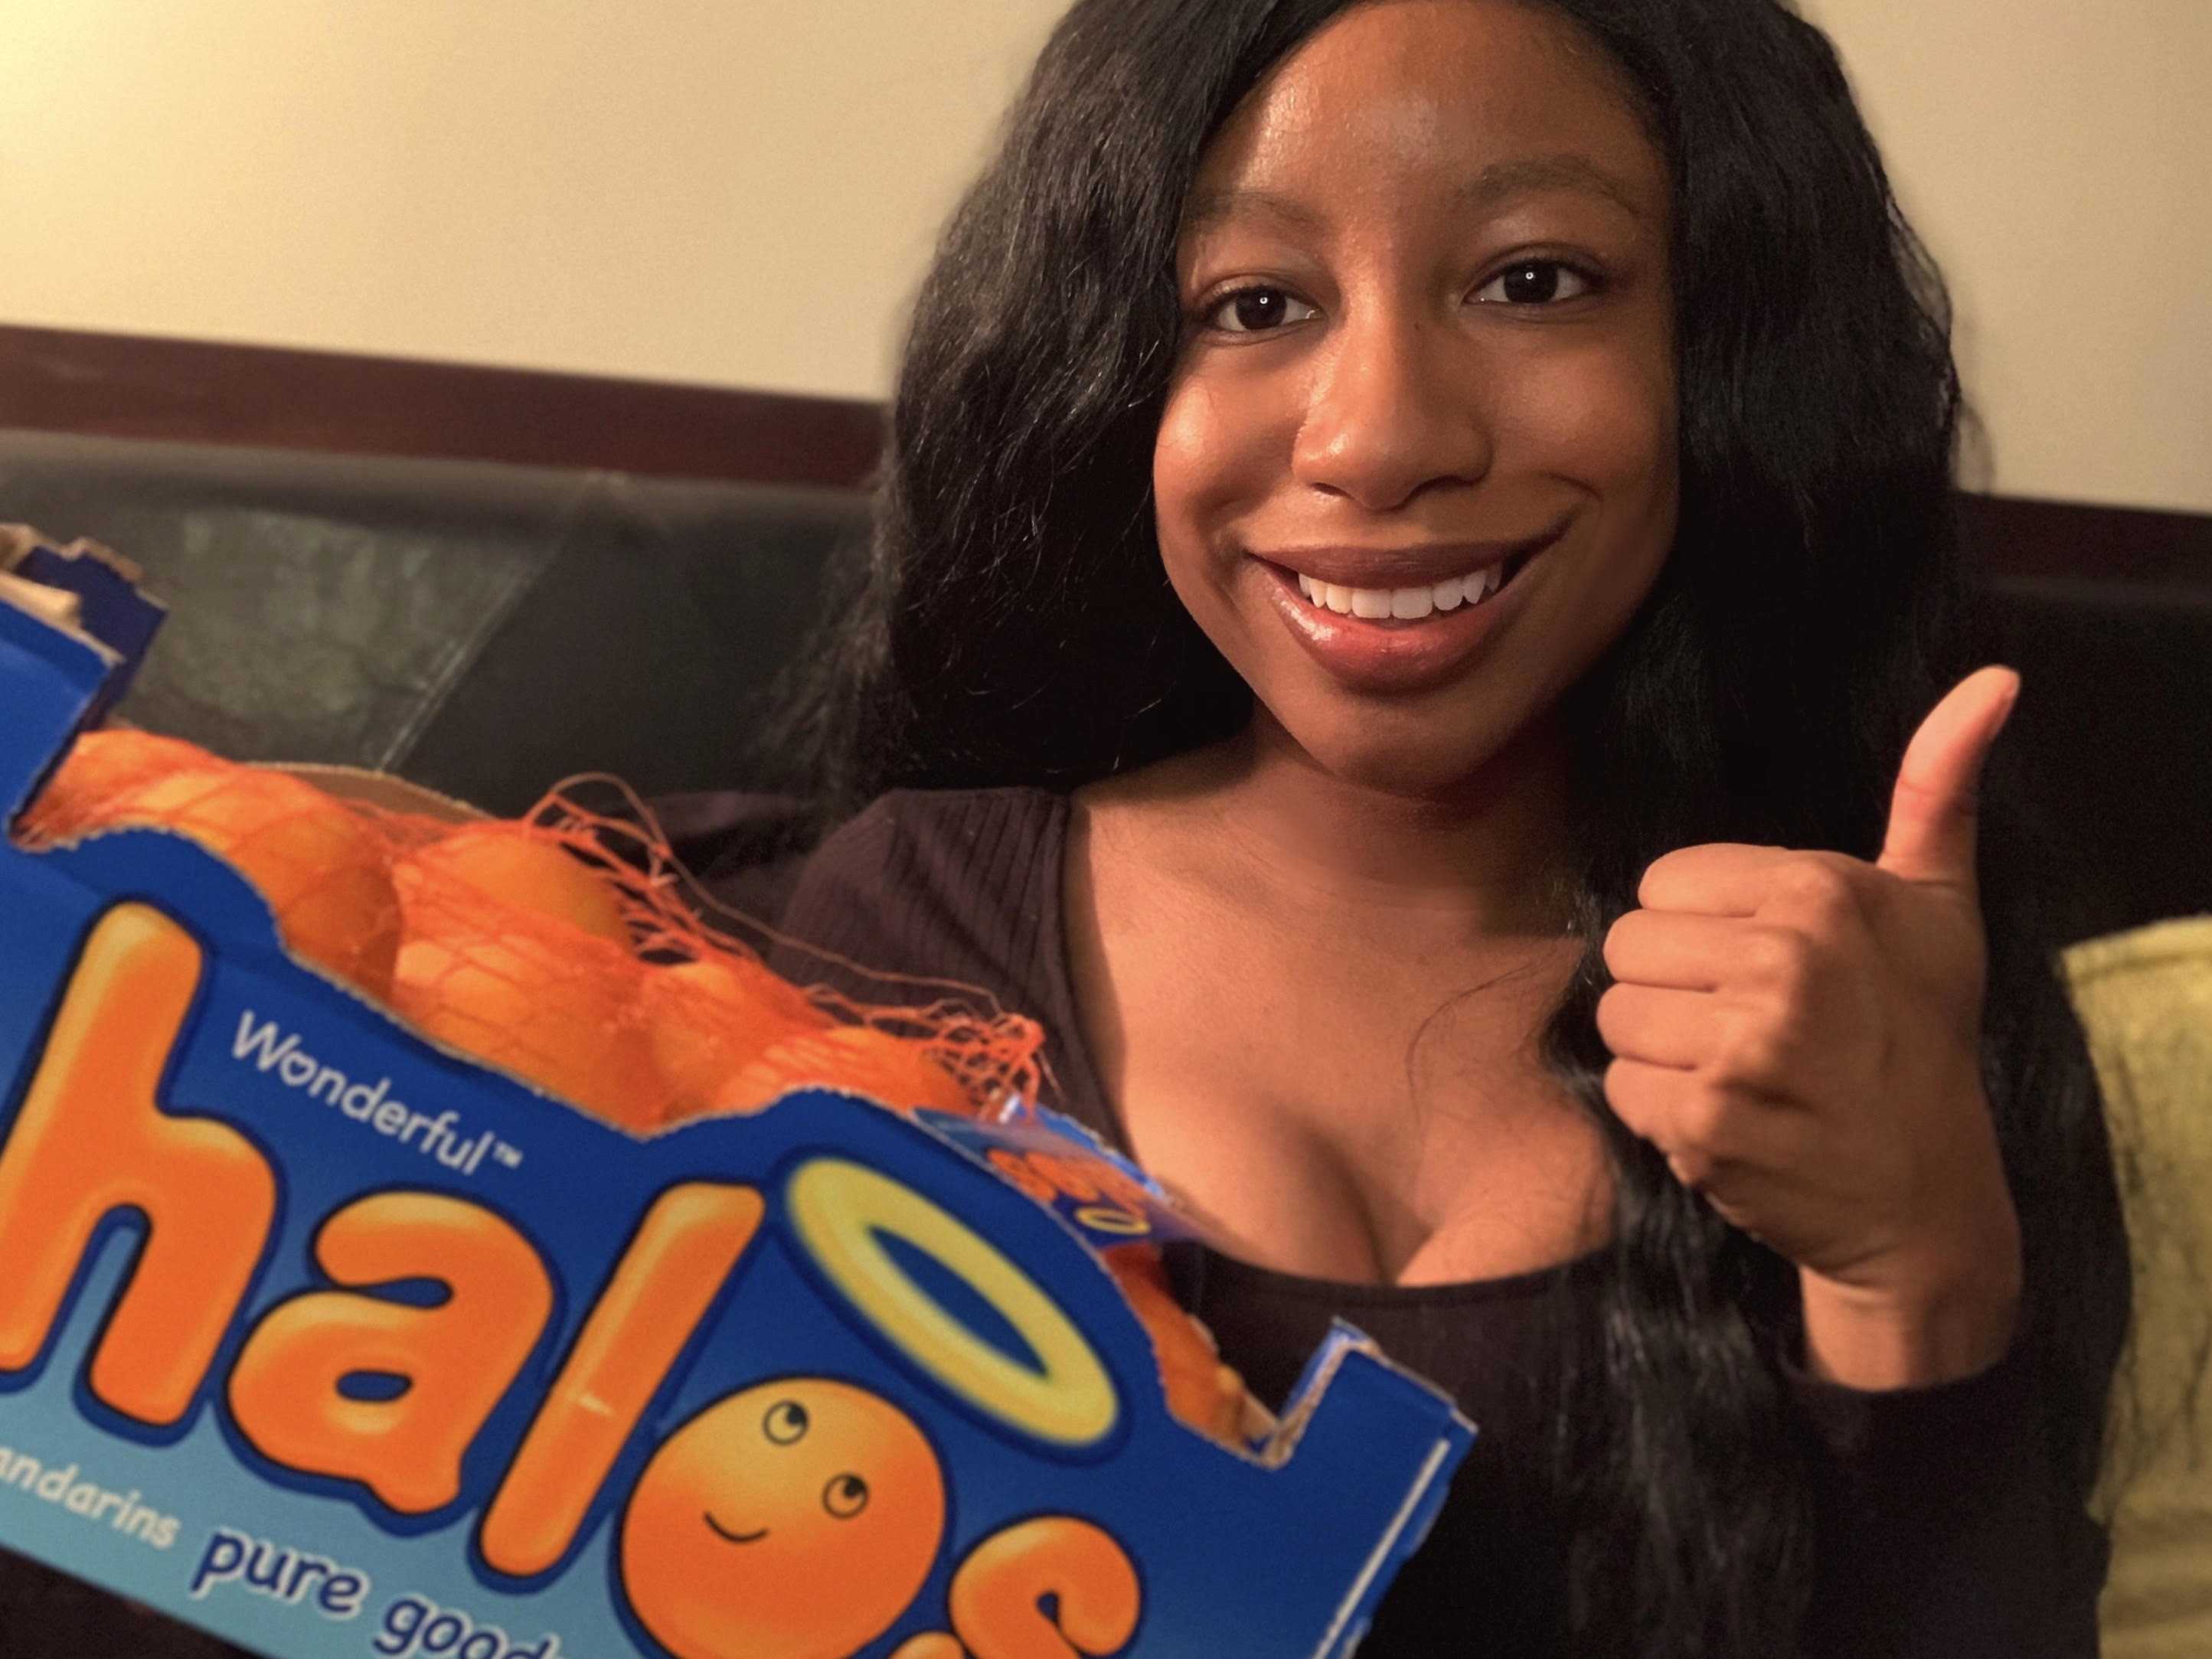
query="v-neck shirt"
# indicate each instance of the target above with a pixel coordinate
(1940, 1527)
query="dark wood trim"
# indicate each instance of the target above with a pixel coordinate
(2076, 541)
(199, 392)
(131, 387)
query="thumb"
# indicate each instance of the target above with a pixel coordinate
(1932, 815)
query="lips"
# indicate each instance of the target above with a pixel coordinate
(1369, 634)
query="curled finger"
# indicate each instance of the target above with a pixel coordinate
(1706, 1130)
(1652, 1100)
(1680, 1029)
(1684, 951)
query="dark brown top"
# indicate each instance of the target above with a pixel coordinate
(1941, 1528)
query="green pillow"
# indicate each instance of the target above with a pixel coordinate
(2146, 1000)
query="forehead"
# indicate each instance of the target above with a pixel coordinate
(1467, 97)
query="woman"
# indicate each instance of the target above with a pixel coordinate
(1398, 513)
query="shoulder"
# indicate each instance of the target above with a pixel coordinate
(955, 845)
(940, 884)
(960, 888)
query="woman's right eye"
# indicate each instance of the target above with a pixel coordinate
(1256, 311)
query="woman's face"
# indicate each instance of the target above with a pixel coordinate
(1417, 468)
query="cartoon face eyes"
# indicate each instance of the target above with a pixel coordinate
(785, 1424)
(845, 1496)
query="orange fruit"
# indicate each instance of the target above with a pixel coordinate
(707, 1020)
(101, 765)
(894, 1071)
(507, 864)
(321, 868)
(1201, 1391)
(563, 1020)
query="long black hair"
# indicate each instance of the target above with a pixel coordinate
(1013, 624)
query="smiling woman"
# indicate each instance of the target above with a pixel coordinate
(1415, 540)
(1430, 341)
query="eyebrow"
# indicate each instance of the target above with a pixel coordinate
(1568, 170)
(1500, 181)
(1208, 208)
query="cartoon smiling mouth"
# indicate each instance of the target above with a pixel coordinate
(722, 1531)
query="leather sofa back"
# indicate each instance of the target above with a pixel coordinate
(485, 629)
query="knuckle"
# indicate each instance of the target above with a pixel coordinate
(1619, 938)
(1703, 1124)
(1773, 957)
(1622, 1095)
(1630, 928)
(1657, 874)
(1640, 1099)
(1753, 1056)
(1822, 887)
(1799, 971)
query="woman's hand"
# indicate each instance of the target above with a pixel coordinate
(1800, 1033)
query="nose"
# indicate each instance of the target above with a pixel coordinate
(1391, 414)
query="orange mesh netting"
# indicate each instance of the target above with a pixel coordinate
(567, 947)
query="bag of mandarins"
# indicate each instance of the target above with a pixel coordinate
(565, 947)
(569, 948)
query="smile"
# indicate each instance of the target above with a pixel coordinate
(1389, 620)
(722, 1531)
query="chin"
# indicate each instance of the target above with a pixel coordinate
(1427, 761)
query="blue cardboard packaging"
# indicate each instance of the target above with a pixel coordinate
(332, 1342)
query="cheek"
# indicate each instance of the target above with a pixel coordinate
(1608, 421)
(1214, 458)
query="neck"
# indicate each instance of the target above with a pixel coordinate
(1487, 851)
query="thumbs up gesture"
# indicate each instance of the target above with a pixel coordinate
(1800, 1034)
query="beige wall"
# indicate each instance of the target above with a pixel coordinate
(2056, 155)
(744, 192)
(737, 191)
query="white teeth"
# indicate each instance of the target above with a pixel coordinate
(1411, 604)
(1404, 604)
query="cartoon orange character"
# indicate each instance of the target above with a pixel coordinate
(795, 1520)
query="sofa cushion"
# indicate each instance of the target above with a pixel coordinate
(2146, 1000)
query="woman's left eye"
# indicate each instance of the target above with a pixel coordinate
(1534, 283)
(1257, 311)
